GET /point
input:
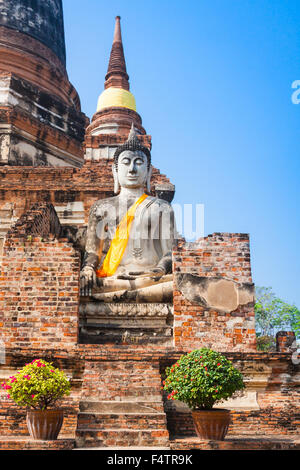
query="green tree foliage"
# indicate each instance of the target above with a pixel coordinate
(38, 385)
(202, 378)
(272, 314)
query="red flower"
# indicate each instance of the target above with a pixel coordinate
(218, 364)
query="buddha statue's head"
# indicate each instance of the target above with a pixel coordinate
(132, 164)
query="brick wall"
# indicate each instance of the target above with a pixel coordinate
(227, 325)
(25, 186)
(39, 284)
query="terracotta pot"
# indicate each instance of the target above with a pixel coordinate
(44, 425)
(211, 424)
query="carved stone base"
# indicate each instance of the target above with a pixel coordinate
(125, 323)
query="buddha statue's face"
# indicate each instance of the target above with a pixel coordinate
(132, 169)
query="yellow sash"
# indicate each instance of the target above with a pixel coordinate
(119, 242)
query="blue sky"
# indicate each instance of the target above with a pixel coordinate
(212, 81)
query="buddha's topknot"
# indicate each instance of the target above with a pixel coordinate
(133, 144)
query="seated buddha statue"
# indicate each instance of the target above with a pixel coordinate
(129, 241)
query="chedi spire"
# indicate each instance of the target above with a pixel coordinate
(116, 73)
(116, 107)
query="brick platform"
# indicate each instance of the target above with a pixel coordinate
(263, 442)
(23, 443)
(116, 400)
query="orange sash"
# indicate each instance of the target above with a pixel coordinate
(119, 242)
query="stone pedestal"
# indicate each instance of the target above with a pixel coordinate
(125, 323)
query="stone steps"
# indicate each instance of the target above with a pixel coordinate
(122, 438)
(99, 421)
(138, 393)
(122, 407)
(125, 406)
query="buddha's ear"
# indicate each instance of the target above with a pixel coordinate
(148, 181)
(116, 179)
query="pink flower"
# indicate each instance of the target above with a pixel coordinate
(32, 396)
(8, 396)
(39, 363)
(5, 386)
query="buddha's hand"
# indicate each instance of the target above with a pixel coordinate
(155, 273)
(88, 280)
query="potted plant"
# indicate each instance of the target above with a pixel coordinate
(201, 379)
(38, 386)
